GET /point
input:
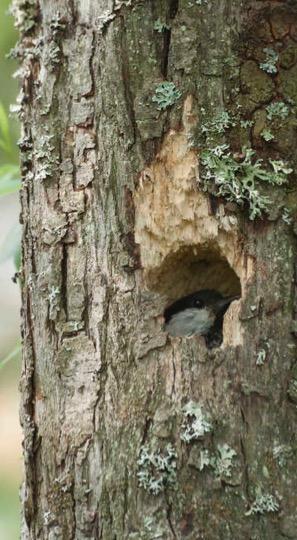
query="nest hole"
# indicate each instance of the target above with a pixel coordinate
(194, 269)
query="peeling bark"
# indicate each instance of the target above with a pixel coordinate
(115, 227)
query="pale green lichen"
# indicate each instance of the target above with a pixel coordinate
(267, 135)
(282, 453)
(160, 26)
(277, 109)
(152, 530)
(219, 124)
(263, 503)
(166, 95)
(261, 357)
(53, 57)
(237, 178)
(54, 298)
(25, 14)
(270, 64)
(286, 216)
(205, 459)
(195, 424)
(246, 123)
(46, 161)
(222, 463)
(156, 469)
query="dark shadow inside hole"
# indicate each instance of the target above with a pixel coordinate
(199, 284)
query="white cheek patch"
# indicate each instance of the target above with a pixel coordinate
(190, 322)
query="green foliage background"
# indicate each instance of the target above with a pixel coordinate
(9, 479)
(8, 87)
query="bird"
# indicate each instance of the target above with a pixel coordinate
(198, 314)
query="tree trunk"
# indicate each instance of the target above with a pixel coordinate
(130, 433)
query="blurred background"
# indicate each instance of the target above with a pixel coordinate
(10, 433)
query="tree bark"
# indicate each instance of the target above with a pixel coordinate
(129, 433)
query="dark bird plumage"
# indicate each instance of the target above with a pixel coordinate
(198, 314)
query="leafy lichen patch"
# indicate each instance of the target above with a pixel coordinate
(195, 424)
(238, 179)
(166, 94)
(157, 469)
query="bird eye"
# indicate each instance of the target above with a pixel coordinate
(198, 303)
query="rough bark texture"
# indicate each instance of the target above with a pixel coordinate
(115, 227)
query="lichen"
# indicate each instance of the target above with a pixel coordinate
(267, 135)
(270, 64)
(222, 463)
(152, 530)
(282, 453)
(277, 109)
(25, 13)
(237, 177)
(219, 124)
(157, 469)
(160, 26)
(205, 459)
(195, 424)
(261, 357)
(286, 216)
(166, 95)
(246, 123)
(46, 161)
(263, 503)
(53, 57)
(53, 297)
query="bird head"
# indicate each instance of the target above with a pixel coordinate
(198, 314)
(205, 299)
